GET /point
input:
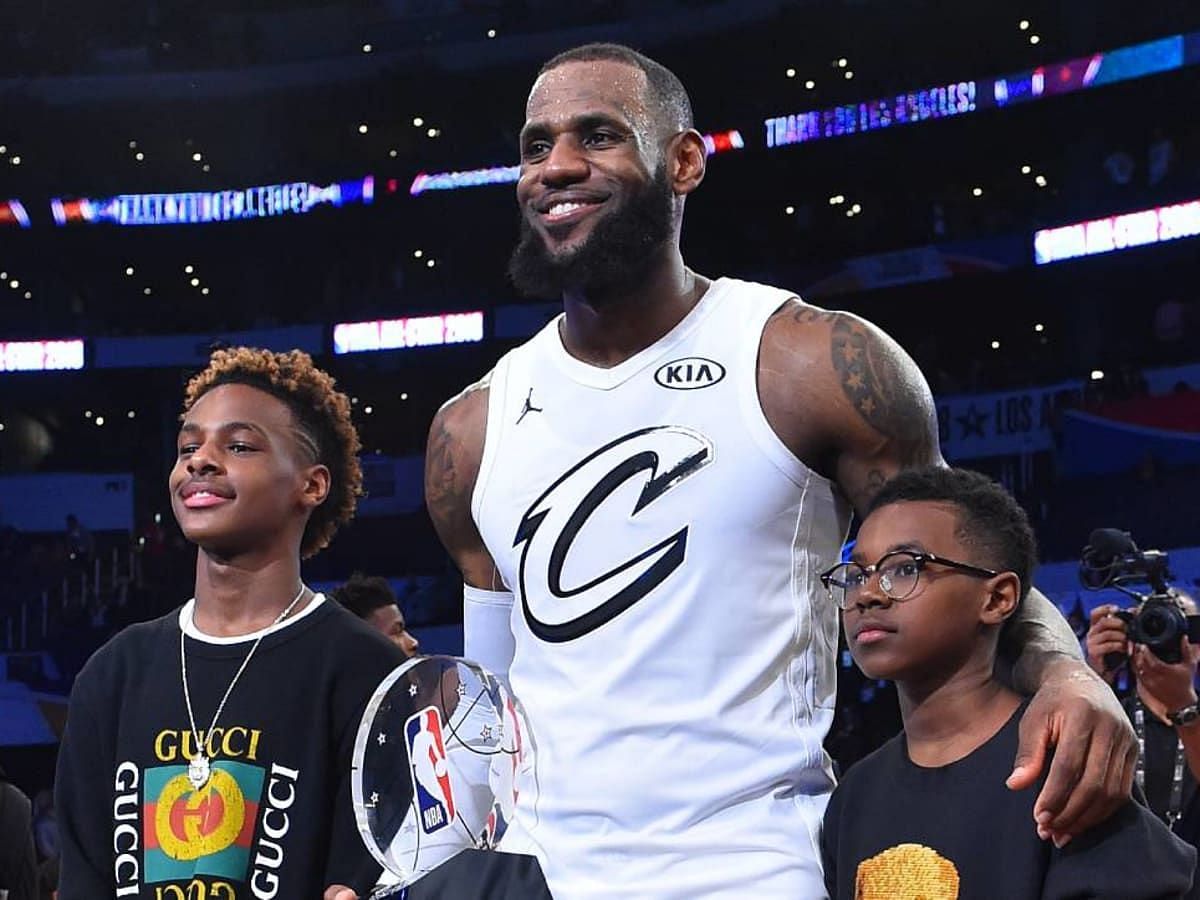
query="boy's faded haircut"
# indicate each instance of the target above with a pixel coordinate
(990, 521)
(322, 419)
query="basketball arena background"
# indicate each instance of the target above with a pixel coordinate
(1012, 190)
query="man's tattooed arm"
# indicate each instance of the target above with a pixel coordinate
(845, 398)
(850, 402)
(452, 458)
(890, 397)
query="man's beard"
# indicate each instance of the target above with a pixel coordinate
(616, 256)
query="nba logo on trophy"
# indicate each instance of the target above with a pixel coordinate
(430, 769)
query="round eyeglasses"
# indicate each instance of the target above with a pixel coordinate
(898, 573)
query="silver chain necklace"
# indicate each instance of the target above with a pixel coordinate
(199, 766)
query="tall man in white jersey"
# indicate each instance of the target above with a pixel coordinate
(640, 499)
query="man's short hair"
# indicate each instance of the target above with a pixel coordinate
(667, 99)
(363, 594)
(990, 521)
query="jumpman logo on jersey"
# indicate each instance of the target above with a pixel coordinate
(529, 407)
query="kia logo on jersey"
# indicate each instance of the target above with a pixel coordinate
(430, 769)
(689, 374)
(598, 539)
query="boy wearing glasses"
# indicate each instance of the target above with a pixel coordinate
(943, 558)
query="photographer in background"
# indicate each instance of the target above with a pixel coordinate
(1164, 712)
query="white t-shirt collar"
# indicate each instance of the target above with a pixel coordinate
(188, 625)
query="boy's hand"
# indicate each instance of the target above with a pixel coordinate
(1091, 774)
(339, 892)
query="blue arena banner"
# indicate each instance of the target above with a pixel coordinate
(915, 265)
(41, 502)
(194, 349)
(392, 486)
(520, 320)
(973, 426)
(1093, 445)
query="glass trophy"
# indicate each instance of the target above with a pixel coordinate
(437, 762)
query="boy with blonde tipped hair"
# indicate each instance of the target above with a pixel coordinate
(207, 753)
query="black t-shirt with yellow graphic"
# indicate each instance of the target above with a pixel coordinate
(274, 821)
(898, 831)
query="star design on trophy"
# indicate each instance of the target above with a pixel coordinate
(374, 798)
(412, 690)
(382, 739)
(486, 732)
(461, 689)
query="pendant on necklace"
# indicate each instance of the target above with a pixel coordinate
(198, 771)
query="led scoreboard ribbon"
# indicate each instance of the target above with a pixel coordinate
(194, 207)
(962, 97)
(1121, 232)
(416, 331)
(41, 356)
(13, 213)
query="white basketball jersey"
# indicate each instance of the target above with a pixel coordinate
(675, 652)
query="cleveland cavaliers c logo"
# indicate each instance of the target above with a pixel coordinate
(597, 502)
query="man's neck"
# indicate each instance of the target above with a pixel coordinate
(606, 331)
(950, 719)
(236, 597)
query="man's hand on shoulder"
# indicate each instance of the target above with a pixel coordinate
(1076, 714)
(339, 892)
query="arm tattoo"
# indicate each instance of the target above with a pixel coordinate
(801, 312)
(877, 384)
(874, 481)
(861, 490)
(806, 314)
(441, 481)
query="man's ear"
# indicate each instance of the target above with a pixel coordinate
(687, 158)
(316, 486)
(1004, 595)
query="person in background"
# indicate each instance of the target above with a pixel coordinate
(18, 861)
(372, 599)
(81, 546)
(45, 825)
(48, 879)
(1163, 709)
